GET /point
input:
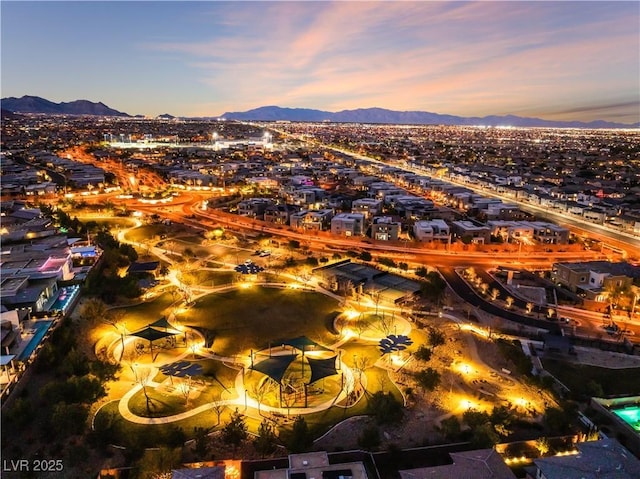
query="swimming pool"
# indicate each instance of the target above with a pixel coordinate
(41, 328)
(630, 415)
(65, 298)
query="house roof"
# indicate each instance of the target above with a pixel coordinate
(199, 473)
(603, 459)
(478, 464)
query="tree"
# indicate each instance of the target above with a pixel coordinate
(365, 256)
(475, 418)
(421, 271)
(436, 337)
(387, 322)
(289, 400)
(423, 353)
(386, 408)
(202, 443)
(68, 419)
(471, 273)
(387, 262)
(501, 419)
(542, 445)
(559, 420)
(185, 389)
(495, 294)
(428, 379)
(115, 318)
(433, 288)
(484, 437)
(369, 439)
(260, 390)
(300, 439)
(93, 310)
(142, 377)
(21, 413)
(265, 443)
(218, 408)
(360, 325)
(76, 363)
(311, 261)
(174, 437)
(103, 370)
(294, 244)
(235, 431)
(450, 428)
(361, 364)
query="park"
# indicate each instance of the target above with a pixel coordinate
(272, 345)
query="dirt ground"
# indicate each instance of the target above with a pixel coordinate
(425, 410)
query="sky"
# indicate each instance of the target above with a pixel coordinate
(552, 60)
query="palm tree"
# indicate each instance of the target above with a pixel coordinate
(509, 301)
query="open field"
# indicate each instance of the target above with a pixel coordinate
(245, 319)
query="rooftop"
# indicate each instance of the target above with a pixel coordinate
(603, 459)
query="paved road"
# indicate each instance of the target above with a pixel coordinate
(465, 291)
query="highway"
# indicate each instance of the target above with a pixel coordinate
(186, 208)
(618, 239)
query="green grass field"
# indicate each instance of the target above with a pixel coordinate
(246, 319)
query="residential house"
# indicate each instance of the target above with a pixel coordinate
(348, 224)
(602, 459)
(432, 230)
(369, 207)
(383, 228)
(315, 220)
(475, 233)
(594, 279)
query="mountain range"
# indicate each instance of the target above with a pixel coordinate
(381, 115)
(35, 104)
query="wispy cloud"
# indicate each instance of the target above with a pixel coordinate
(462, 58)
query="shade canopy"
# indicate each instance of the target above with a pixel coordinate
(151, 334)
(163, 323)
(303, 343)
(182, 369)
(6, 359)
(275, 366)
(394, 343)
(321, 368)
(249, 268)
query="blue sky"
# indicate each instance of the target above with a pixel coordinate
(554, 60)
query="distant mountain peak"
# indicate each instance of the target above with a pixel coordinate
(36, 104)
(385, 116)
